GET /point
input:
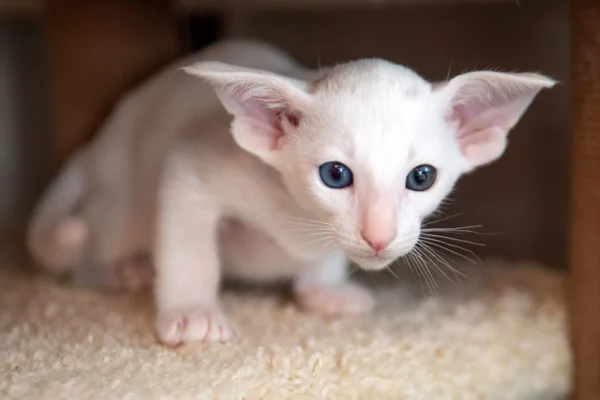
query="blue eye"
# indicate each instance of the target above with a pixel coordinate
(421, 178)
(335, 175)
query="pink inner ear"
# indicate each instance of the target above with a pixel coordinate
(483, 129)
(484, 145)
(265, 124)
(474, 118)
(258, 111)
(261, 114)
(261, 135)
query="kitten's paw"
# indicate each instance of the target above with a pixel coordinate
(335, 301)
(195, 325)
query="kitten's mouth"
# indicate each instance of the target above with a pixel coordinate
(373, 262)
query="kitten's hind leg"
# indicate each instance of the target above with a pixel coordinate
(56, 235)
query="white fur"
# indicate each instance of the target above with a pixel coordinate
(172, 174)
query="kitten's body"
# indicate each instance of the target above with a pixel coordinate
(115, 177)
(171, 176)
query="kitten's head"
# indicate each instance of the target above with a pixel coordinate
(372, 148)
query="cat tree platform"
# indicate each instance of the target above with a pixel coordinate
(499, 334)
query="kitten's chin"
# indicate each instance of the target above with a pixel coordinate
(372, 263)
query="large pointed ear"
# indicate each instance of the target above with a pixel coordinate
(264, 105)
(485, 106)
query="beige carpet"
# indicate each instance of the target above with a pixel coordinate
(500, 334)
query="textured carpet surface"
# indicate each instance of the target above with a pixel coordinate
(499, 334)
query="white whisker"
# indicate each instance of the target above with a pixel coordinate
(408, 258)
(450, 245)
(442, 219)
(319, 235)
(426, 255)
(446, 262)
(296, 224)
(455, 229)
(391, 271)
(444, 246)
(310, 230)
(428, 235)
(433, 257)
(321, 241)
(292, 218)
(424, 270)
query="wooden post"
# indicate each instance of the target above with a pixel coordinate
(585, 199)
(98, 49)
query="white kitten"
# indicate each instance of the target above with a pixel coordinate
(284, 173)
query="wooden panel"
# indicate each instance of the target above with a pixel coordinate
(21, 6)
(228, 5)
(37, 6)
(585, 199)
(98, 49)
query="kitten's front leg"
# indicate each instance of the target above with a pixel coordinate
(324, 289)
(187, 262)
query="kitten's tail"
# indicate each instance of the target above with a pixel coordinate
(56, 236)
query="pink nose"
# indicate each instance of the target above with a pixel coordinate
(377, 242)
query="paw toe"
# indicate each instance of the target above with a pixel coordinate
(194, 326)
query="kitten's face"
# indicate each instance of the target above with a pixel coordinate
(371, 149)
(372, 170)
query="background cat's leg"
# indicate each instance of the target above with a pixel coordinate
(324, 289)
(187, 262)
